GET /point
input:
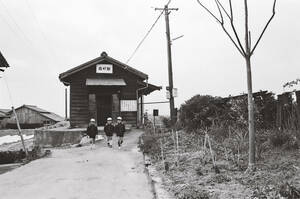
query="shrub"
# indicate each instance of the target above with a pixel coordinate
(166, 121)
(202, 111)
(149, 144)
(191, 192)
(285, 139)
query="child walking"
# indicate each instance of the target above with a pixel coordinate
(92, 131)
(120, 130)
(109, 130)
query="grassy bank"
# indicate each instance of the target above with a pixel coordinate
(189, 172)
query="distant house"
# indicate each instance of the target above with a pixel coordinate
(3, 115)
(3, 63)
(30, 116)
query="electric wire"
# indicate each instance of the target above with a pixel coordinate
(29, 41)
(8, 90)
(37, 22)
(146, 35)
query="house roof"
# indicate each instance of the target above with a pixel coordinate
(255, 94)
(2, 110)
(53, 116)
(43, 112)
(4, 113)
(3, 62)
(103, 57)
(148, 88)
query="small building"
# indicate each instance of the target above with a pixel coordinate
(3, 116)
(105, 87)
(31, 116)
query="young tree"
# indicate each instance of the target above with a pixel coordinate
(246, 51)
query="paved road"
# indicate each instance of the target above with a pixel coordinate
(81, 173)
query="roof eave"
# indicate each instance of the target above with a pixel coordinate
(103, 57)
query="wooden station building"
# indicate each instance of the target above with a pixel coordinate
(105, 87)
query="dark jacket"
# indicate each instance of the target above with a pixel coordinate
(109, 129)
(92, 130)
(120, 129)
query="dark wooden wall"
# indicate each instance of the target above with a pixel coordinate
(79, 94)
(27, 119)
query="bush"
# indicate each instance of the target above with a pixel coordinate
(191, 192)
(8, 157)
(149, 144)
(166, 121)
(202, 111)
(285, 139)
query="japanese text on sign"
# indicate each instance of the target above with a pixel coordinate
(104, 68)
(128, 105)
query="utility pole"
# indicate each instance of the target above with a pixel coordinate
(167, 11)
(20, 132)
(66, 104)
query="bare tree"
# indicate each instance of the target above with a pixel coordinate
(246, 51)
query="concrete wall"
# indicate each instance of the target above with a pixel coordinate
(57, 138)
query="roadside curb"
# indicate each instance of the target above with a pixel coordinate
(155, 180)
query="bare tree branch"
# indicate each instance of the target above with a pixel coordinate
(247, 48)
(223, 9)
(250, 39)
(220, 12)
(265, 28)
(221, 22)
(234, 29)
(209, 11)
(231, 11)
(234, 43)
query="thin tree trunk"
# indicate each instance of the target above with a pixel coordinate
(251, 164)
(250, 117)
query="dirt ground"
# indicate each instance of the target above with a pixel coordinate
(82, 173)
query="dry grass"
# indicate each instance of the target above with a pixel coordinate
(191, 174)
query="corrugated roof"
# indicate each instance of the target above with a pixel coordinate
(3, 115)
(35, 108)
(4, 110)
(105, 82)
(53, 116)
(103, 57)
(43, 112)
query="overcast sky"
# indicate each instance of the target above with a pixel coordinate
(43, 38)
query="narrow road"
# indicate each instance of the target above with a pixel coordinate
(82, 173)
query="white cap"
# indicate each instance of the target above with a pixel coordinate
(109, 119)
(92, 120)
(119, 118)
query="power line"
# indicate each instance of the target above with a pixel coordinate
(16, 24)
(146, 35)
(49, 47)
(8, 90)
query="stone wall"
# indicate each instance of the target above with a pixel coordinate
(57, 138)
